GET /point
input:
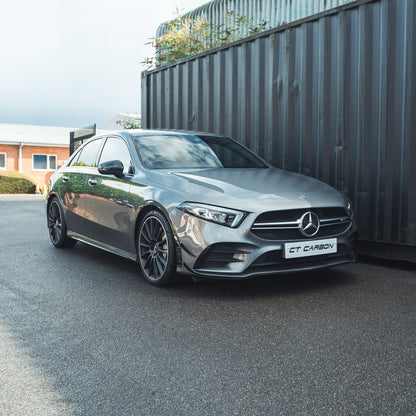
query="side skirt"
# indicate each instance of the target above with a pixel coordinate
(102, 246)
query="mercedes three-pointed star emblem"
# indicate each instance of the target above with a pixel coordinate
(309, 224)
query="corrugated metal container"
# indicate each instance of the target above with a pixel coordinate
(274, 12)
(333, 96)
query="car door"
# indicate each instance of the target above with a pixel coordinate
(73, 184)
(108, 203)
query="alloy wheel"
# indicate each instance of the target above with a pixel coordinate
(54, 222)
(153, 248)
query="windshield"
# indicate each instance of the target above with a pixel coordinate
(177, 151)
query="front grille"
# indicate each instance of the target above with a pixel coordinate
(285, 225)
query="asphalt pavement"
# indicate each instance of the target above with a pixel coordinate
(82, 333)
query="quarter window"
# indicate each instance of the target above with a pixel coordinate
(44, 162)
(2, 160)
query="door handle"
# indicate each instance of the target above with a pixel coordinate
(92, 181)
(65, 178)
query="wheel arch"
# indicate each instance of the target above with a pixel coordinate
(62, 241)
(151, 206)
(49, 199)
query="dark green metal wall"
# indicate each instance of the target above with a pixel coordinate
(332, 96)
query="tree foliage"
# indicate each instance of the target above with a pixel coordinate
(130, 123)
(187, 37)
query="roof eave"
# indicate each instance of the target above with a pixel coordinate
(23, 143)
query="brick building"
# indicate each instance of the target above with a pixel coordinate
(36, 151)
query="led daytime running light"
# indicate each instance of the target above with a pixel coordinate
(224, 216)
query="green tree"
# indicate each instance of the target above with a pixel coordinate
(130, 123)
(187, 37)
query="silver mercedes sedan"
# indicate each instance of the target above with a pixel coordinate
(196, 203)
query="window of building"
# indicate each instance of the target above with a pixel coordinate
(2, 160)
(44, 162)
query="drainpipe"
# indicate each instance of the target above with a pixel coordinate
(20, 157)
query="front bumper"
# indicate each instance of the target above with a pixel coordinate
(212, 250)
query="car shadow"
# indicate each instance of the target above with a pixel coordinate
(263, 286)
(260, 286)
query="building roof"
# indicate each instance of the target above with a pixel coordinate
(35, 135)
(273, 12)
(116, 122)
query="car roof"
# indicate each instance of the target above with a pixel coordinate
(140, 132)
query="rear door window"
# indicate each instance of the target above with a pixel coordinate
(89, 154)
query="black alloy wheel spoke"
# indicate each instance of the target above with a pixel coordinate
(151, 227)
(159, 266)
(152, 270)
(52, 211)
(147, 238)
(57, 232)
(52, 215)
(52, 233)
(147, 233)
(146, 252)
(158, 234)
(162, 260)
(147, 261)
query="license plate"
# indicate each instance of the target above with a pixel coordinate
(310, 248)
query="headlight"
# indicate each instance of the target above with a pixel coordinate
(349, 209)
(219, 215)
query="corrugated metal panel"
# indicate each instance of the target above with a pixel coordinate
(333, 97)
(274, 12)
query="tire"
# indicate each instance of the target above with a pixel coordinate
(57, 225)
(156, 249)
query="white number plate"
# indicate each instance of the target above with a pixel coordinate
(310, 248)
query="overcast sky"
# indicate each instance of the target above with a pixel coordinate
(76, 62)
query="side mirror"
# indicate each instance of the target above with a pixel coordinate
(112, 167)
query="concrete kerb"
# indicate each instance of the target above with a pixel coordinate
(394, 255)
(22, 197)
